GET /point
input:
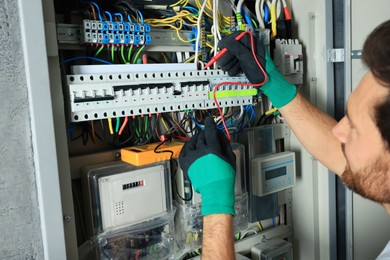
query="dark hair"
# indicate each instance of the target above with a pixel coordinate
(376, 55)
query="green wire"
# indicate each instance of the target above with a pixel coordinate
(138, 129)
(254, 22)
(123, 54)
(112, 53)
(99, 51)
(146, 127)
(129, 54)
(118, 122)
(137, 54)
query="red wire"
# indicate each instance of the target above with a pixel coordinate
(239, 84)
(123, 125)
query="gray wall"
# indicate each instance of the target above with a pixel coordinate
(19, 210)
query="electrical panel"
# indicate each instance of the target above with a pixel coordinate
(137, 81)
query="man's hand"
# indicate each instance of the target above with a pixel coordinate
(209, 161)
(240, 58)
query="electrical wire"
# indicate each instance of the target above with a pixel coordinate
(84, 57)
(99, 50)
(239, 84)
(138, 53)
(163, 151)
(123, 54)
(93, 11)
(98, 9)
(109, 15)
(259, 225)
(199, 31)
(129, 53)
(123, 125)
(110, 125)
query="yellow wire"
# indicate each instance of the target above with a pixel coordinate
(165, 125)
(259, 225)
(181, 39)
(175, 4)
(172, 19)
(273, 19)
(110, 125)
(209, 45)
(271, 111)
(199, 5)
(190, 59)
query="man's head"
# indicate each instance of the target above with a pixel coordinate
(365, 131)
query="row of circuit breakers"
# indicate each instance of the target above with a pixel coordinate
(106, 91)
(98, 96)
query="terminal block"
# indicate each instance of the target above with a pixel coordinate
(99, 96)
(288, 59)
(118, 33)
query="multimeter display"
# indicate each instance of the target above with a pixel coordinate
(272, 173)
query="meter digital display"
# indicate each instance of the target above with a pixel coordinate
(272, 173)
(275, 173)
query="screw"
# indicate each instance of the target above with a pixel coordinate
(67, 219)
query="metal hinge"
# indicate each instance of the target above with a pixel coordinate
(338, 55)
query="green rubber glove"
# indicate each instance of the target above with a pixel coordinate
(209, 161)
(240, 58)
(277, 88)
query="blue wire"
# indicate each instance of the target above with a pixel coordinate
(266, 14)
(109, 15)
(248, 19)
(196, 122)
(192, 9)
(84, 57)
(140, 15)
(98, 9)
(120, 15)
(249, 107)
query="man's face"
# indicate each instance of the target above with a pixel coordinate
(368, 160)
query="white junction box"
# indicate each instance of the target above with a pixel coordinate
(273, 173)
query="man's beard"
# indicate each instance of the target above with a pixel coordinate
(372, 182)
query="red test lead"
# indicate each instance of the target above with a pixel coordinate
(222, 52)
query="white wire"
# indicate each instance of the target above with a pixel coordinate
(215, 28)
(198, 29)
(258, 15)
(246, 232)
(239, 6)
(216, 19)
(240, 115)
(269, 2)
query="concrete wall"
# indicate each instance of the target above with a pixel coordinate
(19, 210)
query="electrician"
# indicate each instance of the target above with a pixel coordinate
(357, 148)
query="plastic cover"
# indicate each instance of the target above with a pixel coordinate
(151, 239)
